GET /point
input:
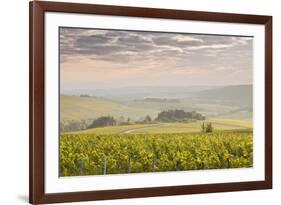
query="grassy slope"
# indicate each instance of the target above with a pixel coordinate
(241, 94)
(77, 108)
(219, 124)
(232, 122)
(112, 129)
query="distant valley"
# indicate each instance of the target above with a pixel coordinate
(135, 103)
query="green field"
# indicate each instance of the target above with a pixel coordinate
(133, 145)
(96, 154)
(156, 147)
(176, 127)
(79, 108)
(84, 108)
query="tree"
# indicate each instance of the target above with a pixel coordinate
(147, 119)
(208, 127)
(203, 127)
(103, 122)
(122, 119)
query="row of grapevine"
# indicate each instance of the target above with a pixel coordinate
(90, 154)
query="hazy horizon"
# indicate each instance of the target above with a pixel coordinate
(152, 86)
(106, 59)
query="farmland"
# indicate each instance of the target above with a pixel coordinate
(136, 106)
(94, 154)
(145, 101)
(152, 130)
(178, 127)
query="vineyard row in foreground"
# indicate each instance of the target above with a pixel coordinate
(90, 154)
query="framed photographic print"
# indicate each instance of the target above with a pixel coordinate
(139, 102)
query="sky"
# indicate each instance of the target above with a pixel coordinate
(100, 59)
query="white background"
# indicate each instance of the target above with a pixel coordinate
(88, 183)
(14, 101)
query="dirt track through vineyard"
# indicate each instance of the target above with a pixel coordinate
(142, 128)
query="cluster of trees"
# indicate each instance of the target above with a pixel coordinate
(103, 121)
(74, 125)
(84, 96)
(164, 116)
(162, 100)
(178, 116)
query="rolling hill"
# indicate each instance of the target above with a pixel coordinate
(233, 102)
(82, 108)
(240, 95)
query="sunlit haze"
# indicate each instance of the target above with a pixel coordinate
(97, 59)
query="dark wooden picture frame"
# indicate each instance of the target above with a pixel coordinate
(37, 193)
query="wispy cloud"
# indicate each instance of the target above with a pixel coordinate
(192, 54)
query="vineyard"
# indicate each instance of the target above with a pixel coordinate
(93, 154)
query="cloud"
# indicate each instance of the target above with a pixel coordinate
(191, 54)
(116, 46)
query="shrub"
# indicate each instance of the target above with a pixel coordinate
(207, 127)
